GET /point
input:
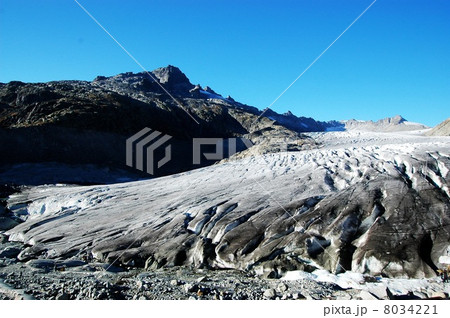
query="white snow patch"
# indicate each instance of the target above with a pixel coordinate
(397, 286)
(344, 280)
(211, 95)
(372, 264)
(444, 259)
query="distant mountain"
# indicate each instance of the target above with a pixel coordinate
(306, 124)
(396, 123)
(443, 129)
(302, 124)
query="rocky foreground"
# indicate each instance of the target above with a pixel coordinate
(76, 279)
(46, 279)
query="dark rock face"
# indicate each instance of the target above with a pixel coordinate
(88, 122)
(7, 223)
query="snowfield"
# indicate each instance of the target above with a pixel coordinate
(372, 203)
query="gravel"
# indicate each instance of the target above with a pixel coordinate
(41, 279)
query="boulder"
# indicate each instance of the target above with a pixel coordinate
(365, 295)
(10, 252)
(269, 293)
(45, 264)
(282, 287)
(438, 295)
(378, 290)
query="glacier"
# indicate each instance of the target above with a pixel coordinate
(366, 202)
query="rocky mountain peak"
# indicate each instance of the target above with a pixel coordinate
(209, 90)
(397, 119)
(171, 75)
(137, 85)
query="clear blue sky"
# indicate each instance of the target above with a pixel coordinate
(394, 60)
